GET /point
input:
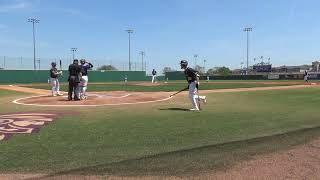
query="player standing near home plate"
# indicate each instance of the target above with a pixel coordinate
(54, 75)
(74, 80)
(192, 77)
(85, 66)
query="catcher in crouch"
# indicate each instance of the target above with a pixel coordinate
(192, 77)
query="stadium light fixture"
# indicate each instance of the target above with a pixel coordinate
(247, 30)
(73, 52)
(34, 21)
(195, 60)
(142, 53)
(129, 31)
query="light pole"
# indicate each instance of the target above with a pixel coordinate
(34, 21)
(129, 31)
(204, 66)
(145, 66)
(73, 51)
(142, 53)
(21, 62)
(4, 62)
(248, 29)
(195, 60)
(39, 63)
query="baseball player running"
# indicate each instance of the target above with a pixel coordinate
(54, 74)
(192, 77)
(85, 66)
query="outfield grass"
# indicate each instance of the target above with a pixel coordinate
(111, 140)
(172, 86)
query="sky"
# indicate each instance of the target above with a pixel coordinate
(287, 31)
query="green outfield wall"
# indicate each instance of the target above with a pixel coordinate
(179, 75)
(41, 76)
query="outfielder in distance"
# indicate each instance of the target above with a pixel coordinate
(154, 76)
(192, 77)
(85, 66)
(306, 76)
(54, 75)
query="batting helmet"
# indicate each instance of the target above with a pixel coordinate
(75, 61)
(53, 64)
(183, 64)
(82, 61)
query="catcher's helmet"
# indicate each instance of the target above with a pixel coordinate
(82, 61)
(53, 64)
(183, 63)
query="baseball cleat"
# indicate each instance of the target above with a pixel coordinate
(194, 109)
(54, 95)
(83, 97)
(204, 99)
(59, 94)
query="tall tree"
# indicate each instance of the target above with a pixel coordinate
(223, 71)
(167, 69)
(107, 68)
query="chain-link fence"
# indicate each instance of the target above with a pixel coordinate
(28, 63)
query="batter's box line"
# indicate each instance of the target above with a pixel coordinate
(109, 96)
(82, 105)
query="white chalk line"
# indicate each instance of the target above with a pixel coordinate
(109, 96)
(83, 105)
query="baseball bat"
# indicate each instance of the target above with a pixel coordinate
(199, 100)
(60, 66)
(179, 91)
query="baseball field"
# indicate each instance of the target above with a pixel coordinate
(136, 130)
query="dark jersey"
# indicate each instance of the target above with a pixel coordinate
(154, 72)
(74, 70)
(53, 72)
(306, 73)
(85, 67)
(191, 75)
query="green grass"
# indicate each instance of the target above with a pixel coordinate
(111, 140)
(173, 86)
(6, 93)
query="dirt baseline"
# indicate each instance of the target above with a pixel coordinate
(96, 99)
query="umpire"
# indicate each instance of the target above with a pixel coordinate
(74, 80)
